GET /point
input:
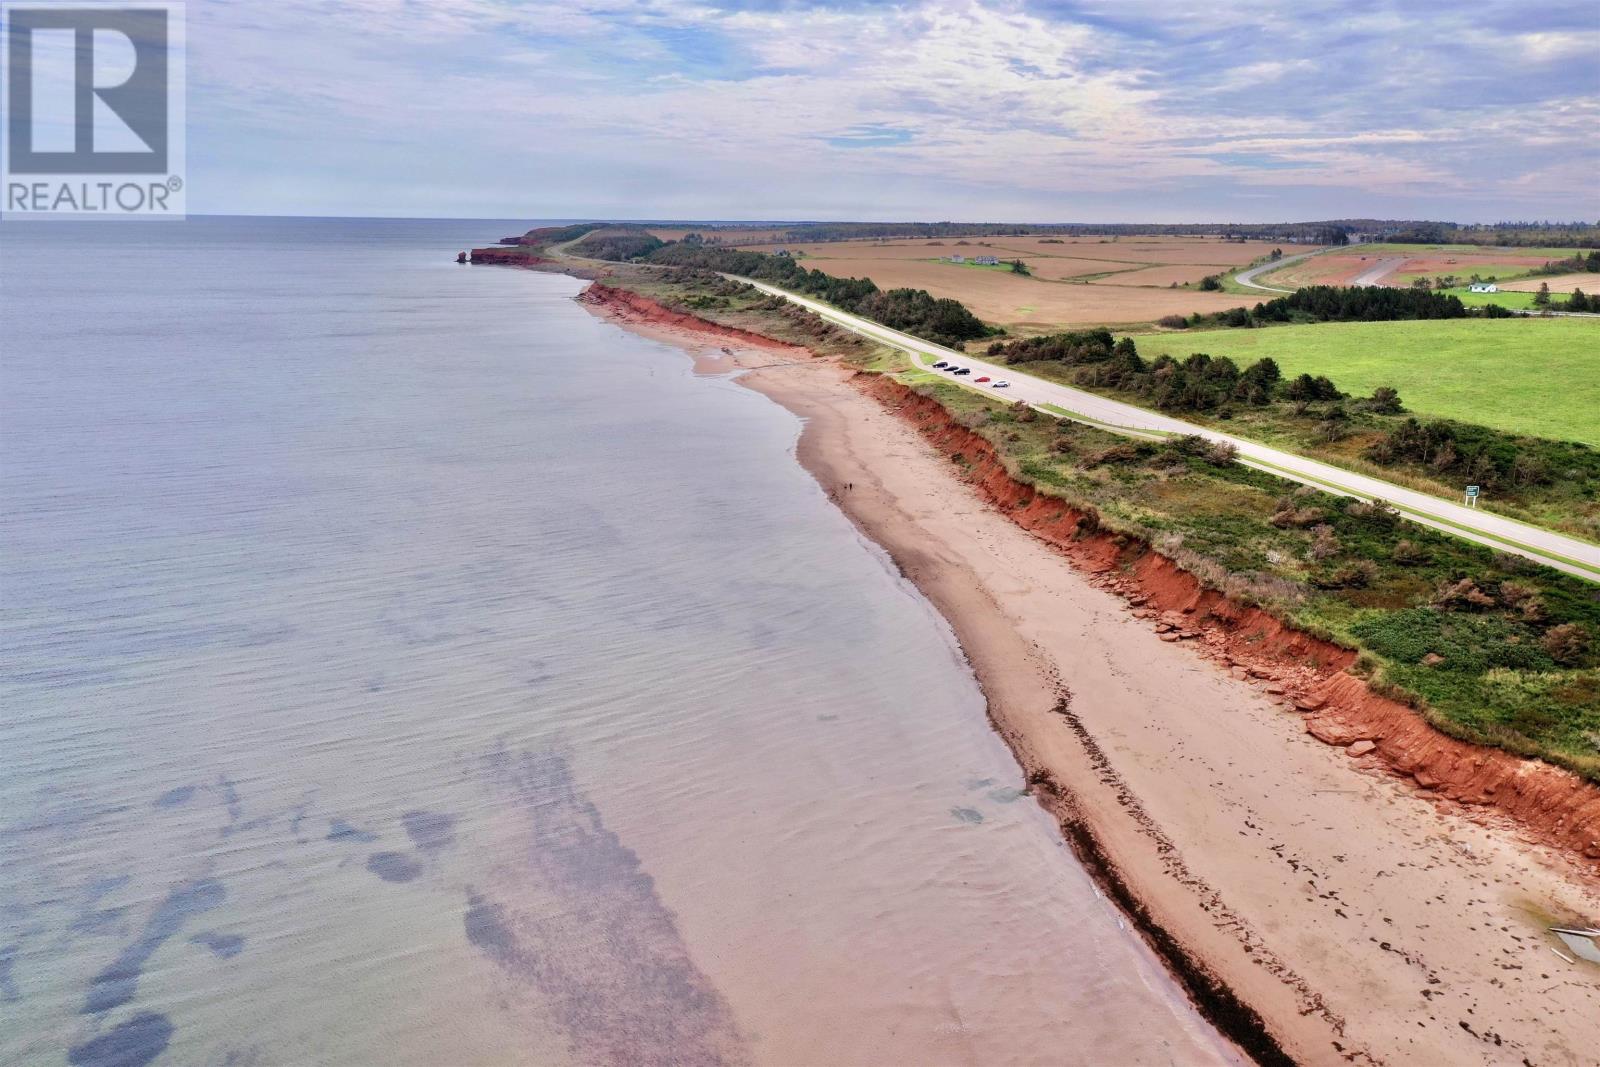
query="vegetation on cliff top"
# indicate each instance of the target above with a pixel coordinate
(1553, 483)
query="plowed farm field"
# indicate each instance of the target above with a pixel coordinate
(1132, 278)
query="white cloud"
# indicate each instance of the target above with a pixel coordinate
(591, 102)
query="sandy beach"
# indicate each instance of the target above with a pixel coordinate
(1319, 909)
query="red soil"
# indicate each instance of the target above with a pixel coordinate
(631, 307)
(1464, 264)
(1554, 805)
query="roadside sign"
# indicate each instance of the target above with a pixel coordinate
(1472, 496)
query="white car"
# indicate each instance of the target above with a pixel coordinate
(1001, 385)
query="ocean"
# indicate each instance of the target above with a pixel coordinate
(403, 666)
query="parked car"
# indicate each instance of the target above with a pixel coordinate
(983, 379)
(941, 365)
(1000, 385)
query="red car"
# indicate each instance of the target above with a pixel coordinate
(980, 379)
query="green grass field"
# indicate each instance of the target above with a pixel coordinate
(1539, 377)
(1509, 299)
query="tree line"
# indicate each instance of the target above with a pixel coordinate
(915, 311)
(622, 246)
(1331, 303)
(1198, 383)
(1498, 235)
(1484, 456)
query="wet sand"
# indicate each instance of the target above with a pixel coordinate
(1318, 910)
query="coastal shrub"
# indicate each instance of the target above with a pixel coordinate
(1461, 595)
(1408, 552)
(1297, 518)
(1567, 644)
(1324, 543)
(1357, 574)
(1383, 401)
(1491, 458)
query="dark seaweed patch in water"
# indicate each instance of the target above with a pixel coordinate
(339, 830)
(601, 949)
(967, 815)
(132, 1044)
(230, 799)
(102, 921)
(173, 797)
(117, 984)
(430, 830)
(101, 887)
(8, 985)
(393, 866)
(487, 928)
(225, 946)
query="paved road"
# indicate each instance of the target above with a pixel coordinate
(1248, 277)
(1556, 550)
(1377, 272)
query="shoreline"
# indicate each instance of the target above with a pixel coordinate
(1212, 892)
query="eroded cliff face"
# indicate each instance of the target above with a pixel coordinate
(631, 307)
(1309, 674)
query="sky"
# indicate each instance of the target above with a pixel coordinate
(1120, 110)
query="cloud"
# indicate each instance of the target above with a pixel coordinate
(1036, 111)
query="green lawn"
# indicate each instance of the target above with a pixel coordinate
(1539, 377)
(1508, 298)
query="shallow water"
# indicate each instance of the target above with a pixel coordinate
(403, 666)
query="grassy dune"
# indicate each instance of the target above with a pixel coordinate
(1539, 377)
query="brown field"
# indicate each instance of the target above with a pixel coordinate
(1140, 271)
(1032, 304)
(1333, 268)
(1493, 265)
(1146, 251)
(1163, 277)
(1342, 268)
(753, 235)
(1559, 283)
(1059, 268)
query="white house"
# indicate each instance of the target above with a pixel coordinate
(958, 259)
(1483, 287)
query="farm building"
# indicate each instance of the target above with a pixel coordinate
(958, 259)
(1483, 287)
(780, 251)
(986, 261)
